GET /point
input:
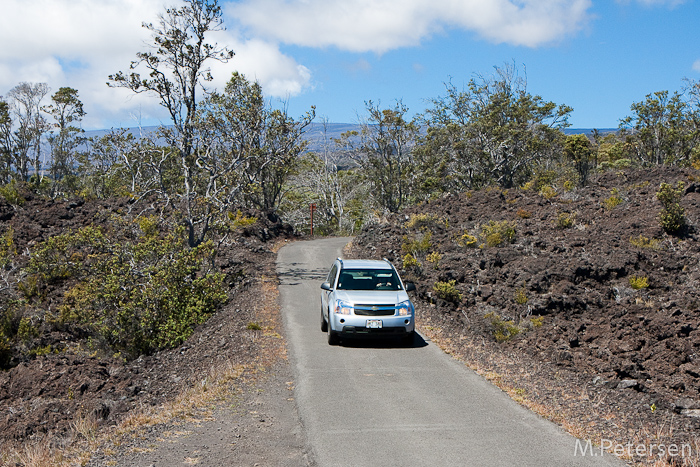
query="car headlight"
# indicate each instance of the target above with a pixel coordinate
(343, 308)
(405, 308)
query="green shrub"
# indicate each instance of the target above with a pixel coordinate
(565, 220)
(672, 217)
(644, 242)
(409, 262)
(537, 321)
(467, 241)
(447, 291)
(613, 201)
(134, 297)
(417, 245)
(240, 220)
(418, 221)
(11, 194)
(548, 192)
(521, 296)
(502, 330)
(638, 282)
(434, 258)
(26, 330)
(7, 248)
(496, 234)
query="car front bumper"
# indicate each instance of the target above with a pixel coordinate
(354, 325)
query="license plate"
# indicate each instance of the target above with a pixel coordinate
(374, 323)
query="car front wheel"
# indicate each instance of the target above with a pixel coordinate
(324, 323)
(333, 338)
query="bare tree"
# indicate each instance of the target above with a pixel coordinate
(25, 103)
(177, 72)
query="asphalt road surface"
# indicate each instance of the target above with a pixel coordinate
(380, 403)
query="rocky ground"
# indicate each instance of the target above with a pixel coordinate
(577, 342)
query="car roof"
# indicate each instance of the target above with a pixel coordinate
(364, 264)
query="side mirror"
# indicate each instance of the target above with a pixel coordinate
(326, 286)
(410, 286)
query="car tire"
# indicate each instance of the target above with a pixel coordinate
(408, 339)
(324, 323)
(333, 338)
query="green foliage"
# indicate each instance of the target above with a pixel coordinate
(537, 321)
(672, 217)
(417, 245)
(644, 242)
(521, 296)
(638, 282)
(495, 234)
(548, 192)
(541, 179)
(11, 193)
(578, 150)
(495, 131)
(26, 330)
(565, 220)
(447, 291)
(7, 248)
(503, 330)
(253, 326)
(613, 200)
(434, 258)
(240, 220)
(467, 241)
(410, 262)
(134, 297)
(420, 221)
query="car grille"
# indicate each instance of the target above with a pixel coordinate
(375, 310)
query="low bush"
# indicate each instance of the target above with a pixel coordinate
(644, 242)
(672, 217)
(565, 220)
(417, 245)
(419, 221)
(467, 240)
(613, 201)
(638, 282)
(410, 262)
(503, 330)
(447, 291)
(496, 234)
(434, 258)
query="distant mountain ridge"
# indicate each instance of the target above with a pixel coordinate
(315, 132)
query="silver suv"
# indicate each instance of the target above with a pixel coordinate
(366, 297)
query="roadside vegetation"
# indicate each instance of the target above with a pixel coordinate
(143, 276)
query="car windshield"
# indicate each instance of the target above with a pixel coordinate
(368, 279)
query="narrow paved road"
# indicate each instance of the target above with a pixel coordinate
(381, 404)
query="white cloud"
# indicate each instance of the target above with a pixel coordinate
(696, 65)
(79, 43)
(382, 25)
(278, 74)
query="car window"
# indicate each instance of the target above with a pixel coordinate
(368, 279)
(332, 274)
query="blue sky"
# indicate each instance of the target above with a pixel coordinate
(595, 56)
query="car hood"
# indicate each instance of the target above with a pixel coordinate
(372, 297)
